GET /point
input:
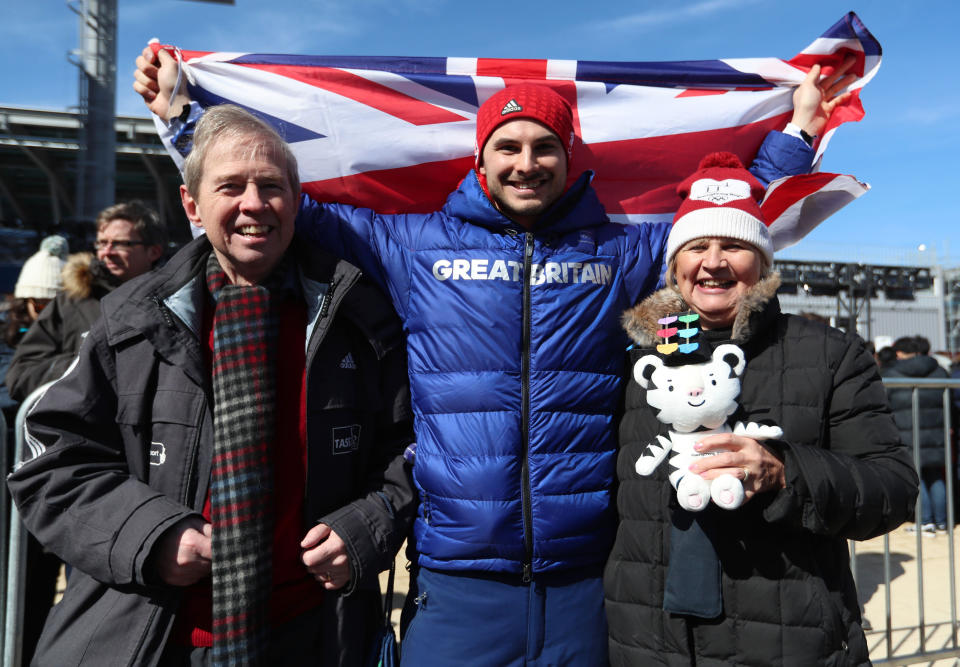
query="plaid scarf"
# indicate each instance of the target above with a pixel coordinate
(245, 331)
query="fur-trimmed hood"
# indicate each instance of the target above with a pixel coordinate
(640, 322)
(83, 277)
(77, 275)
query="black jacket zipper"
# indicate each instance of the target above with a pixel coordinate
(525, 413)
(339, 286)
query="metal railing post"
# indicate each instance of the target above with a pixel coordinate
(4, 514)
(886, 595)
(17, 553)
(951, 644)
(948, 474)
(918, 513)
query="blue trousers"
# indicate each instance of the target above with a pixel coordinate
(933, 496)
(495, 619)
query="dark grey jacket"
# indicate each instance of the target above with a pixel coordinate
(930, 415)
(124, 443)
(788, 595)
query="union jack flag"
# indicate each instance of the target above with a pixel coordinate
(398, 134)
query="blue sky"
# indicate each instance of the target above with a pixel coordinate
(902, 148)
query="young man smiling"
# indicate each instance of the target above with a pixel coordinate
(525, 168)
(511, 296)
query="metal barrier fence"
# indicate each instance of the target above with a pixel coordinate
(913, 642)
(903, 644)
(15, 564)
(4, 515)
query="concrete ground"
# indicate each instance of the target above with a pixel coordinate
(919, 569)
(905, 618)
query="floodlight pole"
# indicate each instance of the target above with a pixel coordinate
(96, 59)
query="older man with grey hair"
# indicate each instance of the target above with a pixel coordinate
(223, 464)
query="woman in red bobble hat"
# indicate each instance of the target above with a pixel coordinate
(766, 581)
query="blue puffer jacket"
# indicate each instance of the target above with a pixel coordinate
(514, 383)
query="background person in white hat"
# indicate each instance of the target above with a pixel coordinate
(38, 283)
(40, 280)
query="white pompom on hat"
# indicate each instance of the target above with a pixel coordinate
(720, 199)
(40, 276)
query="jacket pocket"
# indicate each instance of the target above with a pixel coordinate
(337, 452)
(831, 622)
(343, 400)
(160, 432)
(426, 507)
(98, 625)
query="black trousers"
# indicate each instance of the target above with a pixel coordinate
(295, 644)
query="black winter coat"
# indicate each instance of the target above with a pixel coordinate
(125, 440)
(788, 594)
(930, 414)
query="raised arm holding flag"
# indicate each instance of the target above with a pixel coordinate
(511, 293)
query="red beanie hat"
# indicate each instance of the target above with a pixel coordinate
(720, 199)
(526, 100)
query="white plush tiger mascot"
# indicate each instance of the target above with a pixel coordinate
(694, 400)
